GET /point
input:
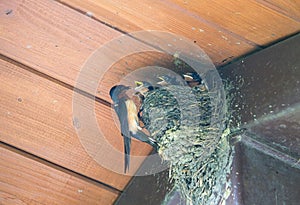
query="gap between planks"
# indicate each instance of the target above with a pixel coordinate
(81, 11)
(71, 54)
(259, 50)
(25, 180)
(60, 168)
(175, 6)
(28, 141)
(275, 7)
(55, 80)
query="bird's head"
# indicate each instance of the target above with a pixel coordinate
(117, 91)
(166, 80)
(192, 77)
(143, 87)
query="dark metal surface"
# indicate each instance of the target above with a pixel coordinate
(150, 189)
(266, 179)
(265, 82)
(281, 133)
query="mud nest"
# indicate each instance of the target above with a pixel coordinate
(179, 118)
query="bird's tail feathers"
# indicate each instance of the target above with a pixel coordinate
(127, 142)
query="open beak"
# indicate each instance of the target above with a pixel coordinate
(188, 78)
(139, 86)
(162, 82)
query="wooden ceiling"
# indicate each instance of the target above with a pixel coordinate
(44, 45)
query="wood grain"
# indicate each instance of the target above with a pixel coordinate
(249, 19)
(289, 8)
(50, 37)
(131, 16)
(26, 181)
(36, 115)
(58, 41)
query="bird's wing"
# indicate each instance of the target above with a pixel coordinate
(145, 138)
(121, 110)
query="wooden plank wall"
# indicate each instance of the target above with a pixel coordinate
(44, 44)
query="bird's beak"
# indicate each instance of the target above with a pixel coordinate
(187, 77)
(161, 78)
(139, 85)
(162, 82)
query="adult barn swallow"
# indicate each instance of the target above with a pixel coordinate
(127, 114)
